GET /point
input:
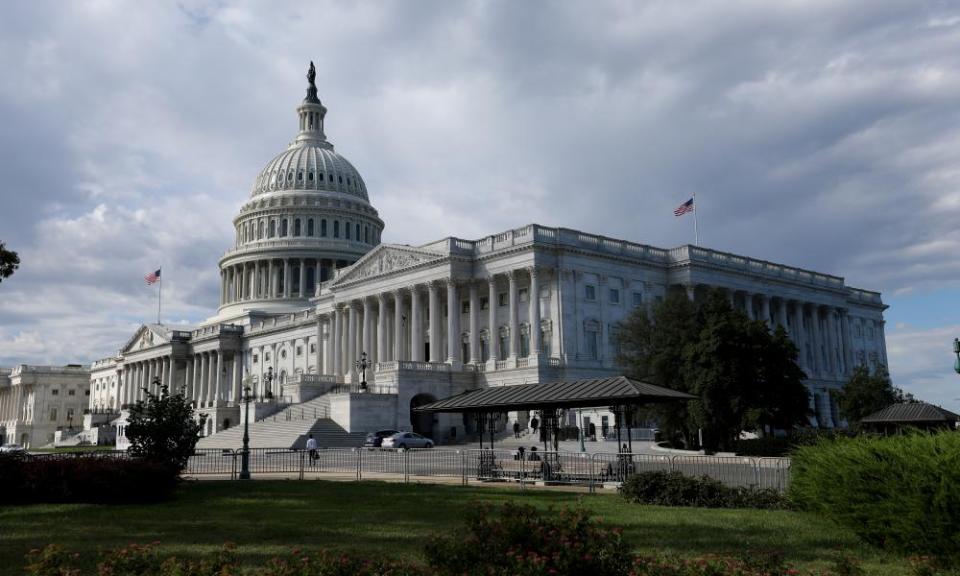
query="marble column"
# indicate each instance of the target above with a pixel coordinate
(434, 303)
(535, 312)
(765, 309)
(237, 387)
(782, 314)
(336, 343)
(302, 277)
(514, 329)
(351, 337)
(748, 304)
(318, 359)
(367, 342)
(453, 323)
(847, 349)
(474, 324)
(382, 333)
(818, 367)
(416, 325)
(202, 380)
(492, 329)
(217, 382)
(397, 325)
(286, 278)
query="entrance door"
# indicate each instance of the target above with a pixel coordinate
(422, 422)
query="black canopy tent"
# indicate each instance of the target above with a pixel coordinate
(618, 393)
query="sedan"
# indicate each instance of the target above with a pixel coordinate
(12, 448)
(404, 440)
(375, 439)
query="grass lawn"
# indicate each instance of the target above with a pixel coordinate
(270, 517)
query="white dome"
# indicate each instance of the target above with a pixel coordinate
(310, 165)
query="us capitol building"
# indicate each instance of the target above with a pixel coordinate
(308, 290)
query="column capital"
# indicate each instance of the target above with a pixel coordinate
(492, 279)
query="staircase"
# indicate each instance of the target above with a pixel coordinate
(289, 428)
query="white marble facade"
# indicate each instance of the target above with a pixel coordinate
(308, 288)
(38, 401)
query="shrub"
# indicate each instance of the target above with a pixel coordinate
(86, 478)
(676, 489)
(333, 564)
(900, 492)
(516, 539)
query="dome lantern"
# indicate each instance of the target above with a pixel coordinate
(312, 113)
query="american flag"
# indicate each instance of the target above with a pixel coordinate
(684, 208)
(152, 277)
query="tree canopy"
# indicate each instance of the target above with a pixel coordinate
(163, 428)
(867, 393)
(9, 262)
(746, 377)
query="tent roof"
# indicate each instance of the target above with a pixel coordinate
(596, 392)
(911, 412)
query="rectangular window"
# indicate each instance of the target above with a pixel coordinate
(336, 228)
(299, 350)
(313, 348)
(614, 295)
(502, 299)
(522, 294)
(256, 358)
(637, 298)
(54, 392)
(593, 345)
(323, 227)
(465, 307)
(485, 303)
(87, 392)
(524, 345)
(347, 226)
(590, 292)
(266, 356)
(545, 343)
(53, 414)
(71, 392)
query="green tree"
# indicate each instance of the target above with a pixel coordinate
(867, 393)
(9, 262)
(651, 349)
(745, 377)
(163, 428)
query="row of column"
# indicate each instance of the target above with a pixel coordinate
(205, 380)
(11, 404)
(352, 332)
(273, 278)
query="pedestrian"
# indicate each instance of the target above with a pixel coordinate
(534, 424)
(516, 429)
(533, 454)
(312, 449)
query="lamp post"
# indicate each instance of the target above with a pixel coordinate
(267, 379)
(582, 431)
(956, 350)
(245, 453)
(362, 366)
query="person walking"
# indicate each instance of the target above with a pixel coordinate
(534, 424)
(516, 429)
(312, 449)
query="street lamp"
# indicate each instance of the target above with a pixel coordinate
(582, 431)
(956, 350)
(362, 366)
(245, 453)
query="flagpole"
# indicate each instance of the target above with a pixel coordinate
(696, 224)
(159, 295)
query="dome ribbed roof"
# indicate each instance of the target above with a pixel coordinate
(310, 165)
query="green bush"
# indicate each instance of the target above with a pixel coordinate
(516, 539)
(899, 492)
(676, 489)
(83, 478)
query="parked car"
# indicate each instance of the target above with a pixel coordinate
(404, 440)
(12, 448)
(375, 439)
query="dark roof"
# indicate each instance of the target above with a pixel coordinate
(907, 412)
(574, 394)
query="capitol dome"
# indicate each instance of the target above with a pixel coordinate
(308, 215)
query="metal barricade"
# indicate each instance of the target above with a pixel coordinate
(274, 460)
(212, 461)
(774, 473)
(494, 465)
(373, 462)
(433, 462)
(731, 470)
(615, 467)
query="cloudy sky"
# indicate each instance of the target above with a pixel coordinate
(821, 134)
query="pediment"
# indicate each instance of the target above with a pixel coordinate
(385, 259)
(145, 337)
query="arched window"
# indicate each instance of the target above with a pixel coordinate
(273, 228)
(323, 227)
(283, 227)
(310, 227)
(358, 232)
(336, 228)
(366, 234)
(296, 227)
(347, 226)
(260, 234)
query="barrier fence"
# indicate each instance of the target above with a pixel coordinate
(573, 468)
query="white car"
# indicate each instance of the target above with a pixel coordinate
(404, 440)
(11, 448)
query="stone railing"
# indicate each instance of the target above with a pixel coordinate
(215, 329)
(754, 266)
(313, 379)
(332, 247)
(501, 364)
(553, 361)
(523, 362)
(865, 296)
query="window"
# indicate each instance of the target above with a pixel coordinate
(593, 344)
(266, 356)
(71, 392)
(313, 348)
(590, 292)
(273, 228)
(614, 295)
(347, 228)
(256, 358)
(87, 392)
(504, 345)
(465, 307)
(366, 234)
(300, 176)
(336, 228)
(299, 350)
(484, 350)
(545, 343)
(283, 354)
(358, 233)
(54, 392)
(323, 227)
(523, 294)
(260, 235)
(524, 345)
(283, 227)
(310, 177)
(310, 227)
(637, 298)
(484, 303)
(53, 414)
(502, 299)
(296, 227)
(70, 413)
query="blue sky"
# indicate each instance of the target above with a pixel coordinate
(821, 134)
